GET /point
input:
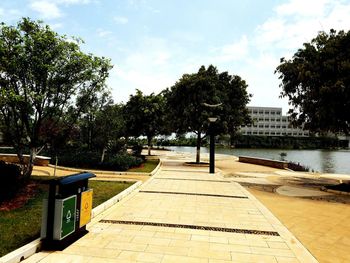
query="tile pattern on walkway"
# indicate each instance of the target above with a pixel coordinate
(110, 242)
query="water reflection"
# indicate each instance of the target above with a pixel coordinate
(326, 161)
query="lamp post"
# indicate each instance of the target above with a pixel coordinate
(212, 120)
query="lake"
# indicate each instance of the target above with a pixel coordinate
(325, 161)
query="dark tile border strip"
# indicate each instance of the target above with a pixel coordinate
(209, 228)
(181, 193)
(185, 179)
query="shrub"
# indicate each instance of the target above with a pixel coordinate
(136, 150)
(297, 167)
(10, 180)
(91, 160)
(120, 162)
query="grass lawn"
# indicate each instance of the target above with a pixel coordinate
(146, 167)
(22, 225)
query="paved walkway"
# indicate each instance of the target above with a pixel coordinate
(183, 214)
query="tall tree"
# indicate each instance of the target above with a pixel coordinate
(109, 126)
(317, 83)
(189, 103)
(41, 72)
(145, 116)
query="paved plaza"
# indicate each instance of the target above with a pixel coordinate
(184, 214)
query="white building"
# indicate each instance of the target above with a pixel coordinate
(268, 121)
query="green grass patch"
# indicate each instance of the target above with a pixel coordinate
(146, 167)
(21, 226)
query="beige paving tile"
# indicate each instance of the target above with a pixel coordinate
(245, 257)
(177, 259)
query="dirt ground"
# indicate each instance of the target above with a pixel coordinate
(321, 225)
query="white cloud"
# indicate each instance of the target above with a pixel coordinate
(297, 21)
(51, 9)
(70, 2)
(309, 8)
(103, 33)
(46, 9)
(235, 51)
(120, 20)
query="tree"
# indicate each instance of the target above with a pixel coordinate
(145, 115)
(40, 75)
(317, 83)
(189, 100)
(109, 126)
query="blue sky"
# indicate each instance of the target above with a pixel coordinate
(152, 43)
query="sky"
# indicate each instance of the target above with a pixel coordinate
(152, 43)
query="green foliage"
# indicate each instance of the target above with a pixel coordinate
(10, 180)
(188, 100)
(41, 73)
(317, 83)
(146, 167)
(286, 142)
(92, 160)
(145, 115)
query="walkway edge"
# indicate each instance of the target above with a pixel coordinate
(301, 252)
(33, 247)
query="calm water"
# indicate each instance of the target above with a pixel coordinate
(326, 161)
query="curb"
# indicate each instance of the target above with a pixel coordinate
(33, 247)
(334, 191)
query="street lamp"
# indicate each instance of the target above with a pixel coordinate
(212, 120)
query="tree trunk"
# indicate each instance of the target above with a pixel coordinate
(103, 154)
(149, 142)
(29, 167)
(198, 149)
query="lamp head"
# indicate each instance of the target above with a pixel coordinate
(212, 119)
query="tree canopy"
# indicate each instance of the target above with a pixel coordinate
(317, 83)
(145, 115)
(189, 100)
(41, 74)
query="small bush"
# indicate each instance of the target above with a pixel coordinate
(136, 150)
(297, 167)
(92, 160)
(121, 162)
(10, 180)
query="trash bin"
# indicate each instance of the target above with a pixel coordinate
(66, 211)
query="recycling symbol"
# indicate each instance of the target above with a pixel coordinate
(68, 216)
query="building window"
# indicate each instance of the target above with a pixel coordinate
(261, 119)
(273, 113)
(272, 119)
(261, 126)
(272, 126)
(278, 126)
